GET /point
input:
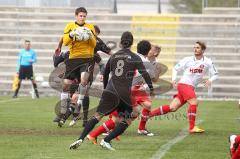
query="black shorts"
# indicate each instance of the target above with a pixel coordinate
(74, 67)
(26, 72)
(110, 102)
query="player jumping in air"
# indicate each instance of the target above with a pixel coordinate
(74, 108)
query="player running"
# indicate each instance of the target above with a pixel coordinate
(140, 97)
(117, 93)
(194, 68)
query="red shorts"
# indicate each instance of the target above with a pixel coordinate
(139, 96)
(115, 114)
(185, 92)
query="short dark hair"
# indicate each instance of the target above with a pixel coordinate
(97, 29)
(202, 44)
(143, 47)
(126, 39)
(27, 41)
(80, 9)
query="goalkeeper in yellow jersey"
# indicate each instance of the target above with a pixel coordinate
(80, 38)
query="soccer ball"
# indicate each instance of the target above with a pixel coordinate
(83, 33)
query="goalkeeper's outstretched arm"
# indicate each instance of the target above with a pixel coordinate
(59, 47)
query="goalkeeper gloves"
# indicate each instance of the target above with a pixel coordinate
(73, 34)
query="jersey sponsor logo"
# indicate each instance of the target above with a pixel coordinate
(196, 70)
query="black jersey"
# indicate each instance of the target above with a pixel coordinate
(101, 46)
(123, 66)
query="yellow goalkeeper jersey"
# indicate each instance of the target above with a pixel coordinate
(79, 49)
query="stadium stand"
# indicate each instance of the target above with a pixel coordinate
(175, 33)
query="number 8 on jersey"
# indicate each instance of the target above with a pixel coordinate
(119, 69)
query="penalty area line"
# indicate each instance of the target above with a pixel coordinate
(160, 153)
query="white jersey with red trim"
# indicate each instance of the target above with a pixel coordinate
(194, 70)
(138, 79)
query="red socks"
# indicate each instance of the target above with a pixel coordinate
(105, 127)
(236, 154)
(147, 114)
(144, 118)
(192, 116)
(160, 111)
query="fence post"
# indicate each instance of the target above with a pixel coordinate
(204, 4)
(114, 6)
(159, 7)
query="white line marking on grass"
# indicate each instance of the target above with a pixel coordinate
(9, 100)
(160, 153)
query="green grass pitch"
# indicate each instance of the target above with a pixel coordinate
(27, 132)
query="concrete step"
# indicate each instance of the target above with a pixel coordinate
(27, 85)
(221, 11)
(210, 18)
(9, 76)
(164, 54)
(50, 31)
(234, 33)
(35, 44)
(46, 41)
(119, 23)
(181, 41)
(51, 9)
(123, 17)
(64, 16)
(38, 68)
(180, 32)
(212, 55)
(46, 57)
(215, 52)
(184, 31)
(48, 60)
(50, 41)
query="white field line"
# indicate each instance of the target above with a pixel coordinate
(9, 100)
(160, 153)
